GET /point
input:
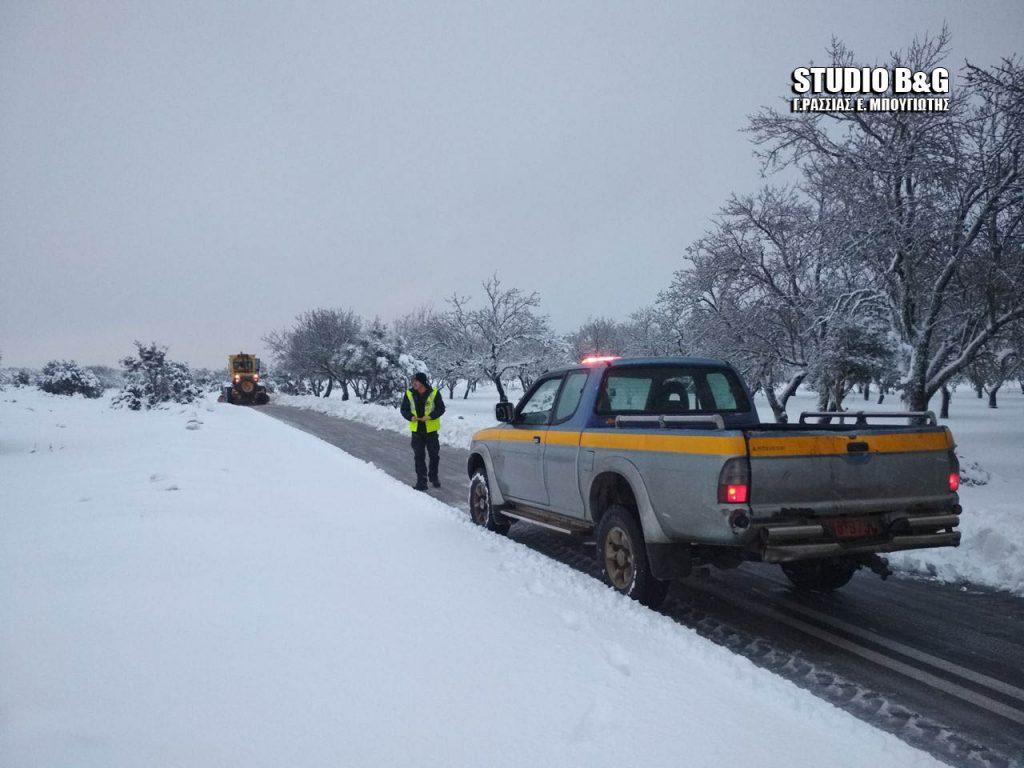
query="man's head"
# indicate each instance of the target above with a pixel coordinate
(420, 382)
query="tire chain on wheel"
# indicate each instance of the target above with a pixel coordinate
(495, 521)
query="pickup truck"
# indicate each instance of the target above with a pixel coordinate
(665, 463)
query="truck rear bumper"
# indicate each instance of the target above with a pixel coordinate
(785, 553)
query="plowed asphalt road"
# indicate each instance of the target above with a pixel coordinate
(941, 666)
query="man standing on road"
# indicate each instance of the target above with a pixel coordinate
(423, 407)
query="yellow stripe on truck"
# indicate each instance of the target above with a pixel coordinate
(836, 445)
(713, 445)
(562, 437)
(706, 445)
(509, 435)
(552, 437)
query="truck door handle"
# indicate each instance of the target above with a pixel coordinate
(857, 447)
(536, 439)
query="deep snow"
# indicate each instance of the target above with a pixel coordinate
(990, 443)
(209, 587)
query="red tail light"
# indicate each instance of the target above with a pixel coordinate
(734, 482)
(954, 472)
(735, 494)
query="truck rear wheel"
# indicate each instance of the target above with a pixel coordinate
(480, 510)
(622, 554)
(820, 575)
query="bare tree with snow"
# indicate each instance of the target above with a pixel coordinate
(934, 206)
(647, 333)
(997, 364)
(319, 347)
(598, 336)
(447, 347)
(506, 327)
(539, 356)
(766, 289)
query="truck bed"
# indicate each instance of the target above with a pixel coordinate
(831, 469)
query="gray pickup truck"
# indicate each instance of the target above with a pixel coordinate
(665, 463)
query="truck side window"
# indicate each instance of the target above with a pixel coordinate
(721, 391)
(569, 400)
(537, 409)
(626, 393)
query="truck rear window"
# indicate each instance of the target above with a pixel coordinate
(671, 390)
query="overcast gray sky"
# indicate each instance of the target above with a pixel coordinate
(198, 173)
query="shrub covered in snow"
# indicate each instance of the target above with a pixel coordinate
(16, 377)
(110, 378)
(66, 377)
(150, 380)
(293, 385)
(209, 380)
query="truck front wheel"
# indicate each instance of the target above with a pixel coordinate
(820, 575)
(623, 557)
(480, 509)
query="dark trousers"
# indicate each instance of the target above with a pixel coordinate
(425, 443)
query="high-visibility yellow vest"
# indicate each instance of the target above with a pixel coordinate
(432, 424)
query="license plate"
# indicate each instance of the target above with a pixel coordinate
(855, 528)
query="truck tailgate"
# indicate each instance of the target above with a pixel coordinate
(819, 472)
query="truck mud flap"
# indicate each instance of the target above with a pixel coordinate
(669, 561)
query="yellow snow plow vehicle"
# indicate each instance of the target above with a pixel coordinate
(245, 387)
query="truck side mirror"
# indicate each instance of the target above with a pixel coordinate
(504, 412)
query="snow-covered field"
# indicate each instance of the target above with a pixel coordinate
(990, 443)
(209, 587)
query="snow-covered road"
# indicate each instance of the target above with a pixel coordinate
(215, 588)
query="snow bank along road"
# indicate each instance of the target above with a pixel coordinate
(941, 666)
(210, 587)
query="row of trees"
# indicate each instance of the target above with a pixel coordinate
(892, 262)
(325, 348)
(503, 337)
(499, 336)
